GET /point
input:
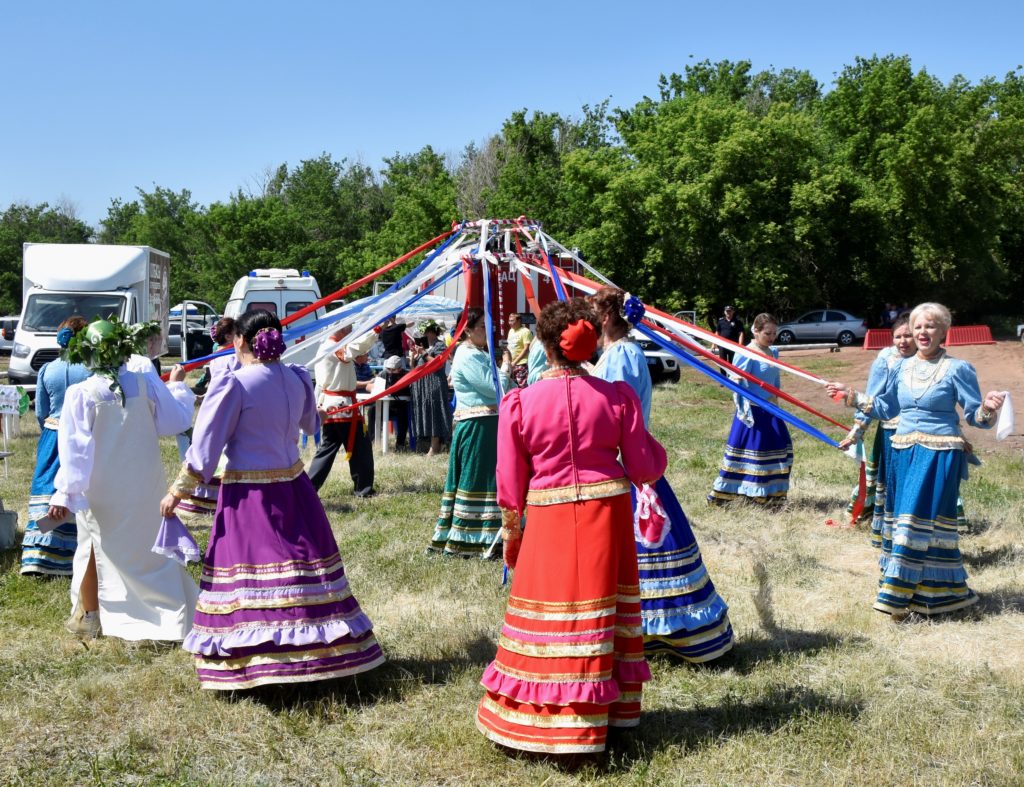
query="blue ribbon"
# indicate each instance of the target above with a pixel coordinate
(750, 393)
(559, 288)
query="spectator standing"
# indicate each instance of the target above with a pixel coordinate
(519, 338)
(729, 327)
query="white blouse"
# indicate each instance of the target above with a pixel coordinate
(172, 413)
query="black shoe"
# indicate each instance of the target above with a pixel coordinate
(368, 492)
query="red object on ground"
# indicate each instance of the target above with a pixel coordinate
(969, 334)
(877, 338)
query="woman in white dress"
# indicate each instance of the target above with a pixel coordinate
(112, 478)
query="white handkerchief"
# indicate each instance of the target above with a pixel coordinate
(1004, 426)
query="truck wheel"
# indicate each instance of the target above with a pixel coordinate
(846, 338)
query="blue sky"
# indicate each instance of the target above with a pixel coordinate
(102, 97)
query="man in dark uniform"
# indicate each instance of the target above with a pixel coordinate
(729, 327)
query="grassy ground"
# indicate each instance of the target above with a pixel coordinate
(820, 689)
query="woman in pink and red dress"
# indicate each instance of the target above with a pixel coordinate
(570, 659)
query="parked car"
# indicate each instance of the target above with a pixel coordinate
(823, 325)
(174, 334)
(662, 365)
(8, 327)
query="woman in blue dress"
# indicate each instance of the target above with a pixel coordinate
(759, 452)
(681, 612)
(922, 570)
(51, 553)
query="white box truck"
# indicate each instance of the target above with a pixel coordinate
(94, 281)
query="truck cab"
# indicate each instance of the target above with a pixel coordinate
(281, 291)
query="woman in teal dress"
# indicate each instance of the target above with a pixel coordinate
(470, 518)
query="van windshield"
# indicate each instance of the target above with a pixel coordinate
(44, 312)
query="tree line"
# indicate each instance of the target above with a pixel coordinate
(759, 189)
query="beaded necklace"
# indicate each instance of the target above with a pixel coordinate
(927, 372)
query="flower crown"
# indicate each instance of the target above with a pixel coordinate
(268, 344)
(104, 345)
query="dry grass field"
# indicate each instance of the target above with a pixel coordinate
(819, 690)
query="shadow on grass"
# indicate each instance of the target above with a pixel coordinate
(338, 508)
(9, 558)
(995, 602)
(692, 728)
(983, 558)
(393, 681)
(780, 643)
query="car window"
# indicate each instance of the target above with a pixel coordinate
(836, 317)
(811, 317)
(270, 306)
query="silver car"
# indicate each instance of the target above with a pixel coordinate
(823, 325)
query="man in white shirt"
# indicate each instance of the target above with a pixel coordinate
(336, 388)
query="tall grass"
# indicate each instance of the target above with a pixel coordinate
(820, 689)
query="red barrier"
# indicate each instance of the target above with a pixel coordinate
(969, 334)
(877, 338)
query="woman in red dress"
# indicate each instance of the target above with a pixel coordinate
(570, 660)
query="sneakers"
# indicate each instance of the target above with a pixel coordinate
(84, 625)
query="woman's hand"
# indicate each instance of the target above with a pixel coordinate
(510, 552)
(993, 401)
(168, 504)
(177, 374)
(58, 513)
(836, 390)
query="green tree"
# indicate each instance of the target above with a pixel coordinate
(21, 224)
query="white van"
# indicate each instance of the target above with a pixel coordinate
(282, 291)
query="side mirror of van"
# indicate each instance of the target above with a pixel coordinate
(9, 330)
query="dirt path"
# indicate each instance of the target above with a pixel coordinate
(1000, 368)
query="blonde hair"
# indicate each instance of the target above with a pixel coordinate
(763, 319)
(940, 314)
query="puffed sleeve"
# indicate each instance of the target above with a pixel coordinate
(75, 448)
(513, 473)
(968, 395)
(643, 457)
(885, 405)
(878, 376)
(309, 421)
(42, 396)
(173, 405)
(217, 419)
(360, 345)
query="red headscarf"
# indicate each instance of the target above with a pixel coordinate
(579, 340)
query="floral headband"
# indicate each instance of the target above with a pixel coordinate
(268, 344)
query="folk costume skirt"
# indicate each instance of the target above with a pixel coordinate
(570, 659)
(757, 462)
(871, 480)
(681, 612)
(50, 553)
(922, 569)
(883, 484)
(274, 604)
(470, 517)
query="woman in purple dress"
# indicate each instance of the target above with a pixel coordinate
(275, 605)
